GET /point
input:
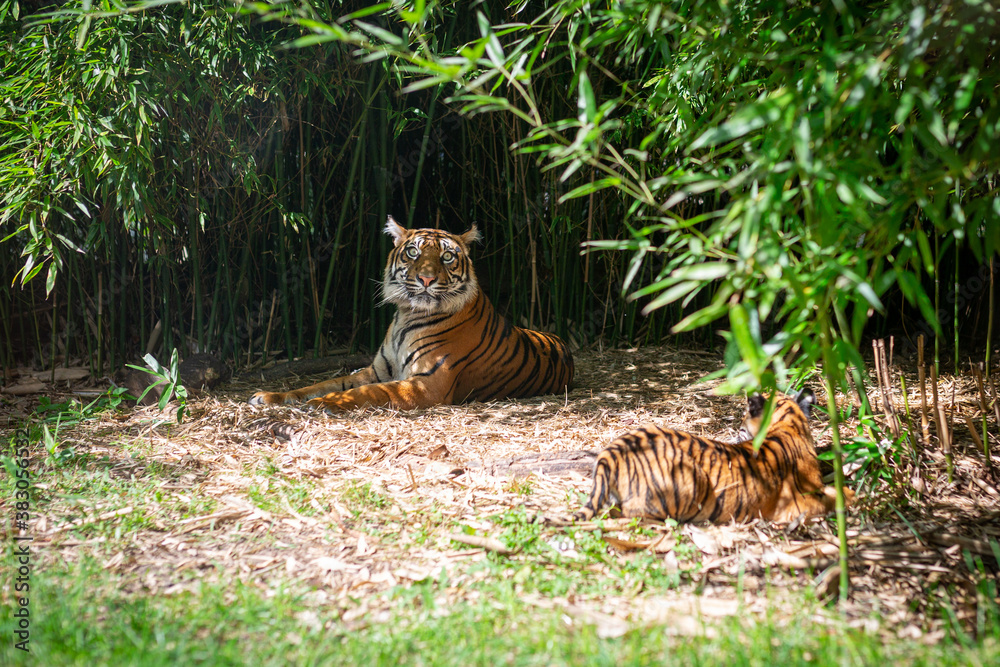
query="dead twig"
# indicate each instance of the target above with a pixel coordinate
(488, 543)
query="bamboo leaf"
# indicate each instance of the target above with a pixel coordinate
(381, 33)
(910, 285)
(745, 121)
(494, 51)
(586, 105)
(591, 187)
(925, 250)
(377, 8)
(700, 318)
(670, 295)
(312, 40)
(705, 272)
(739, 320)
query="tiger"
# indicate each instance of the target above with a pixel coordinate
(663, 473)
(446, 344)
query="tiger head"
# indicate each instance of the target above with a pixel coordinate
(429, 269)
(789, 410)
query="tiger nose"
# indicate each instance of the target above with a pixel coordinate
(426, 280)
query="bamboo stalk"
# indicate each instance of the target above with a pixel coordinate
(303, 171)
(181, 341)
(194, 222)
(6, 314)
(955, 323)
(855, 394)
(424, 143)
(214, 330)
(313, 294)
(910, 429)
(971, 425)
(357, 265)
(119, 308)
(590, 230)
(140, 269)
(887, 378)
(877, 361)
(69, 330)
(89, 334)
(100, 323)
(533, 255)
(306, 249)
(386, 144)
(829, 364)
(279, 217)
(338, 235)
(937, 306)
(924, 425)
(154, 337)
(52, 337)
(860, 389)
(989, 324)
(885, 386)
(298, 293)
(996, 399)
(980, 385)
(270, 323)
(165, 314)
(23, 326)
(228, 345)
(941, 425)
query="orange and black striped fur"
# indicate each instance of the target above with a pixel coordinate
(661, 473)
(446, 343)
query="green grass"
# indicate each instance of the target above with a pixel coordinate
(496, 610)
(79, 616)
(276, 492)
(558, 564)
(360, 497)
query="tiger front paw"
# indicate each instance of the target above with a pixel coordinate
(267, 398)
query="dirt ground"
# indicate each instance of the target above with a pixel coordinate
(279, 486)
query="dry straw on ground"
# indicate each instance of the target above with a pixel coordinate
(452, 462)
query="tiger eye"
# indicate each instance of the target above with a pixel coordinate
(447, 257)
(412, 251)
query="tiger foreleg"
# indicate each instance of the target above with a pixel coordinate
(362, 377)
(401, 395)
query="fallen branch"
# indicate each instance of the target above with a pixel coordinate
(488, 543)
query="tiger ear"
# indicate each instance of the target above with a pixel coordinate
(755, 405)
(471, 236)
(806, 399)
(398, 233)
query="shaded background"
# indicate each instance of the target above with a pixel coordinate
(204, 188)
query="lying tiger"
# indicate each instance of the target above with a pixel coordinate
(446, 344)
(660, 473)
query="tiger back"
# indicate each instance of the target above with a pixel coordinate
(446, 344)
(663, 473)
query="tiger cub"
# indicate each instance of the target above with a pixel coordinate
(660, 473)
(446, 344)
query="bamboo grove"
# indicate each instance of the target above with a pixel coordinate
(182, 173)
(214, 175)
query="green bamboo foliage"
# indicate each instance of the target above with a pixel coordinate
(207, 186)
(191, 174)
